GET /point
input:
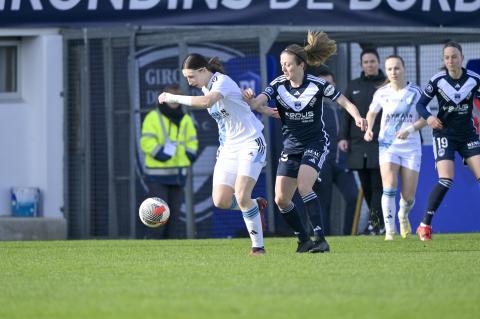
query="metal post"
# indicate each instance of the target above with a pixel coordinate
(189, 194)
(132, 141)
(109, 118)
(85, 102)
(266, 39)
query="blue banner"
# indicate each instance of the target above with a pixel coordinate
(63, 13)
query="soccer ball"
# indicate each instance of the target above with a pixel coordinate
(154, 212)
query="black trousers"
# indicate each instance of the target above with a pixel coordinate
(371, 181)
(333, 174)
(174, 196)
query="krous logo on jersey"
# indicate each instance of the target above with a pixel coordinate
(305, 117)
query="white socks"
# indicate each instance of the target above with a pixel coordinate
(389, 209)
(254, 225)
(405, 208)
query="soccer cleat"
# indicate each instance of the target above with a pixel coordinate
(405, 227)
(320, 246)
(389, 236)
(424, 232)
(380, 230)
(262, 205)
(304, 246)
(369, 230)
(257, 251)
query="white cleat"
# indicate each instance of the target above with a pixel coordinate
(405, 227)
(389, 236)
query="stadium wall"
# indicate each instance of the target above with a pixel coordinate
(31, 126)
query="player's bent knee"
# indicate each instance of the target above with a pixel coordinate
(282, 202)
(222, 202)
(244, 201)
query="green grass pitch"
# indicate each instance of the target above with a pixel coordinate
(363, 277)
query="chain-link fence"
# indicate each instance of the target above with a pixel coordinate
(113, 77)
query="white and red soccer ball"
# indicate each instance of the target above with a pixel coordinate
(154, 212)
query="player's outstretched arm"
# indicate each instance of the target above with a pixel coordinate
(197, 102)
(257, 103)
(353, 111)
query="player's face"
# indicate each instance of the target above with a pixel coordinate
(395, 70)
(196, 78)
(370, 64)
(452, 58)
(290, 68)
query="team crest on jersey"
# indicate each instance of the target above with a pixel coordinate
(214, 79)
(457, 96)
(429, 88)
(409, 99)
(329, 90)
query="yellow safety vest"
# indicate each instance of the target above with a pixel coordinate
(156, 130)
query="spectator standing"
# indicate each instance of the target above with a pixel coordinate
(169, 141)
(363, 155)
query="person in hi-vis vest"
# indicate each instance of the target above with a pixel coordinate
(169, 141)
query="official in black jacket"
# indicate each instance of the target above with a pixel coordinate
(363, 156)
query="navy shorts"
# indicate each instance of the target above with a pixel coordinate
(314, 156)
(444, 147)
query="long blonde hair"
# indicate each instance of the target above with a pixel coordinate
(318, 49)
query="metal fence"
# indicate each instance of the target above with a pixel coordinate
(112, 77)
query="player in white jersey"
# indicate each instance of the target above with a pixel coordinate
(242, 151)
(400, 148)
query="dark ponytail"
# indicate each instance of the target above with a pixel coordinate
(197, 61)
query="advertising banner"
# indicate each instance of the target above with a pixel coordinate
(432, 13)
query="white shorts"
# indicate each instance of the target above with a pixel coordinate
(246, 159)
(409, 160)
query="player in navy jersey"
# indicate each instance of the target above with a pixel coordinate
(298, 98)
(453, 128)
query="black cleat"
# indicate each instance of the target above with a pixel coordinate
(320, 246)
(304, 246)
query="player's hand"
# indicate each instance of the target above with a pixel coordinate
(402, 134)
(343, 145)
(269, 111)
(368, 136)
(161, 98)
(361, 123)
(434, 122)
(248, 95)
